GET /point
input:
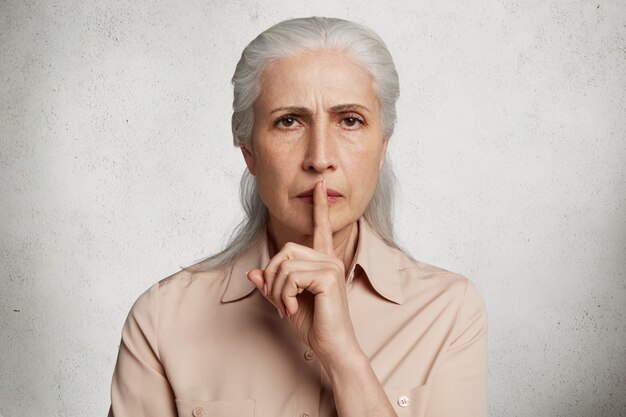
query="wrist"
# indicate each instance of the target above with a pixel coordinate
(346, 366)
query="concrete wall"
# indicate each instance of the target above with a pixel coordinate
(117, 167)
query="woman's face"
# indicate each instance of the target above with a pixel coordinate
(317, 117)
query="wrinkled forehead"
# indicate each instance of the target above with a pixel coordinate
(320, 77)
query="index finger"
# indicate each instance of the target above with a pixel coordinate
(322, 230)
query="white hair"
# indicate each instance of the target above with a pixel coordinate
(287, 38)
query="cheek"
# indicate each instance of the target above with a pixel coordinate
(363, 173)
(272, 153)
(273, 170)
(273, 177)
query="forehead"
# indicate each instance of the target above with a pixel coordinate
(305, 78)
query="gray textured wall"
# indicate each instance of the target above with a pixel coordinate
(117, 167)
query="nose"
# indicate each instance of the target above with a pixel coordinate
(321, 152)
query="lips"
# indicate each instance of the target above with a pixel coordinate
(329, 192)
(331, 195)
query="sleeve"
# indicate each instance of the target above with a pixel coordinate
(140, 386)
(459, 386)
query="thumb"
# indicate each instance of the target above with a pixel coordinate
(256, 277)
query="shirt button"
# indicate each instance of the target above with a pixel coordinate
(198, 411)
(403, 401)
(308, 355)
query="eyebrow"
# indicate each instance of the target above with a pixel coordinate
(293, 109)
(350, 106)
(335, 109)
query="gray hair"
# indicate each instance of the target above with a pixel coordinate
(288, 38)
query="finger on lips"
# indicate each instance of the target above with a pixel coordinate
(322, 230)
(292, 269)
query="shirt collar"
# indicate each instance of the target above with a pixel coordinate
(378, 260)
(238, 285)
(380, 263)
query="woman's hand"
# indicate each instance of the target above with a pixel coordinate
(308, 286)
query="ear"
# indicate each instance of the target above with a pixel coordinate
(383, 154)
(248, 156)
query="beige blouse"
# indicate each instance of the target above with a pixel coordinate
(209, 344)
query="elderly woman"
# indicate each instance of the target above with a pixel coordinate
(312, 309)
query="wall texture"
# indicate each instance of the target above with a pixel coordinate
(117, 167)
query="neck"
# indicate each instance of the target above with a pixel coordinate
(344, 241)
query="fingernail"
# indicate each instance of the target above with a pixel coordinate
(265, 289)
(280, 313)
(324, 185)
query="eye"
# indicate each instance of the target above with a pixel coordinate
(286, 121)
(352, 121)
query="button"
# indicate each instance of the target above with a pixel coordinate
(198, 411)
(403, 401)
(308, 355)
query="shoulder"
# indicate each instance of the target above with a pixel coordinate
(187, 278)
(420, 276)
(448, 290)
(183, 287)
